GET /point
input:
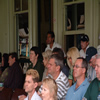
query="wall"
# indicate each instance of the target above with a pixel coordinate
(58, 21)
(8, 40)
(4, 34)
(7, 26)
(7, 34)
(92, 21)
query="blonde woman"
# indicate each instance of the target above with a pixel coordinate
(72, 55)
(49, 89)
(46, 55)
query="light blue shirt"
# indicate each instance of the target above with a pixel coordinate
(77, 94)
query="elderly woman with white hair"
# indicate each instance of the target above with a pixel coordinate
(46, 55)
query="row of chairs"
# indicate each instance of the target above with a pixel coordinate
(9, 94)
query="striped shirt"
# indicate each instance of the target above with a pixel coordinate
(63, 85)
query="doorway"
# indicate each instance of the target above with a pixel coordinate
(45, 23)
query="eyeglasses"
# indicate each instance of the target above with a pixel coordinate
(77, 66)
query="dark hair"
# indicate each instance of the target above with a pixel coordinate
(35, 49)
(58, 60)
(58, 51)
(52, 34)
(5, 56)
(84, 63)
(14, 55)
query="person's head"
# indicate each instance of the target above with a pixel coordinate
(5, 60)
(31, 80)
(92, 61)
(49, 89)
(72, 55)
(91, 51)
(58, 51)
(46, 55)
(13, 57)
(34, 53)
(84, 41)
(55, 64)
(97, 66)
(80, 67)
(50, 37)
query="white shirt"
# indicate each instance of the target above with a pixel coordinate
(82, 53)
(54, 45)
(34, 97)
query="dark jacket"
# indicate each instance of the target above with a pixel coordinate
(15, 77)
(39, 67)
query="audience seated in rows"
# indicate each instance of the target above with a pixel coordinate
(55, 66)
(56, 72)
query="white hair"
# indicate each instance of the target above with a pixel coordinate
(98, 56)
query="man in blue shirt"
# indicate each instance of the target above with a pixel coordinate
(77, 91)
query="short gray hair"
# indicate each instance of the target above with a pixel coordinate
(98, 56)
(58, 60)
(47, 54)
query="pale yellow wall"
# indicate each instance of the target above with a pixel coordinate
(7, 34)
(7, 26)
(4, 34)
(92, 21)
(8, 39)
